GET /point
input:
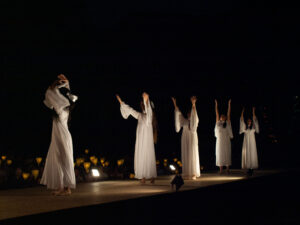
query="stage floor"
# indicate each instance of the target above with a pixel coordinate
(29, 201)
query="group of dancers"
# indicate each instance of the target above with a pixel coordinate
(59, 172)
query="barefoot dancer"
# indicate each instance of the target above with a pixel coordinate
(189, 140)
(59, 167)
(144, 156)
(223, 133)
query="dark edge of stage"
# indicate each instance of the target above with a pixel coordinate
(270, 199)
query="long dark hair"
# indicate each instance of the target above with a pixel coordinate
(154, 122)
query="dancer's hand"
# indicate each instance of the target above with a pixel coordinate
(119, 99)
(145, 97)
(62, 78)
(193, 100)
(216, 102)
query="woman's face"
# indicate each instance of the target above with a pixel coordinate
(223, 118)
(249, 122)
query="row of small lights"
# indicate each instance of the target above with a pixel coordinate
(94, 160)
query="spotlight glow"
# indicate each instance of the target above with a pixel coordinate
(95, 173)
(172, 167)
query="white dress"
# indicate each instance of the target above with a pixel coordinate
(144, 156)
(59, 167)
(189, 143)
(223, 145)
(249, 151)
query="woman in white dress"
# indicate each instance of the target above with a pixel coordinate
(223, 133)
(58, 172)
(249, 151)
(144, 156)
(189, 140)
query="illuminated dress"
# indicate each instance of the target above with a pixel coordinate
(189, 143)
(249, 151)
(223, 144)
(144, 155)
(59, 167)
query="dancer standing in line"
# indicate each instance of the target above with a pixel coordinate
(249, 151)
(59, 167)
(223, 133)
(146, 136)
(189, 140)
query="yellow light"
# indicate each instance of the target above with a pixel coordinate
(175, 159)
(165, 164)
(78, 161)
(120, 162)
(25, 175)
(165, 160)
(95, 161)
(3, 157)
(157, 162)
(178, 162)
(35, 173)
(92, 158)
(106, 163)
(38, 160)
(102, 160)
(86, 151)
(131, 176)
(87, 166)
(9, 162)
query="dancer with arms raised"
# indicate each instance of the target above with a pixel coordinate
(144, 156)
(189, 140)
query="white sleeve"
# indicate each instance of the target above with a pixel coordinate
(126, 111)
(194, 120)
(65, 84)
(229, 128)
(55, 100)
(148, 111)
(256, 126)
(242, 126)
(178, 120)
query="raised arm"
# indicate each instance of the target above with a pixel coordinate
(255, 122)
(229, 110)
(63, 81)
(194, 120)
(242, 115)
(126, 110)
(242, 122)
(174, 103)
(217, 111)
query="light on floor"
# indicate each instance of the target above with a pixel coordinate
(95, 173)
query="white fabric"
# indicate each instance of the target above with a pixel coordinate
(223, 144)
(144, 156)
(189, 143)
(249, 151)
(59, 167)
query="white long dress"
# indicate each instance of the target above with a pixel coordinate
(223, 145)
(189, 143)
(59, 167)
(144, 155)
(249, 151)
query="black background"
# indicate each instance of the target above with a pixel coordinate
(243, 50)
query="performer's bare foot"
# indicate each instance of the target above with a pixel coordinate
(143, 181)
(152, 181)
(194, 177)
(58, 192)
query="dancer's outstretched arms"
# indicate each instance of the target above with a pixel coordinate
(194, 120)
(217, 111)
(242, 122)
(229, 110)
(174, 102)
